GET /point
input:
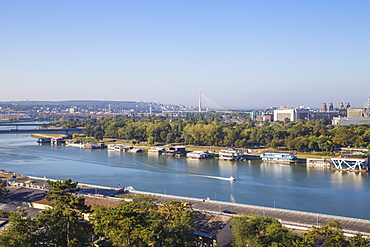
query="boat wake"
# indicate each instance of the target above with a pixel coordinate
(231, 178)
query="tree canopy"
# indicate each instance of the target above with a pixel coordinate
(228, 130)
(141, 222)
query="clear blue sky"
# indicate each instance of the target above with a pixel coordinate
(238, 53)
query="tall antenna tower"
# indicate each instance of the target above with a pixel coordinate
(200, 102)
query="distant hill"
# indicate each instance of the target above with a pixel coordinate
(75, 102)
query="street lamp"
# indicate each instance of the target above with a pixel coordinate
(215, 197)
(317, 221)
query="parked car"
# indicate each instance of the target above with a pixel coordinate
(228, 212)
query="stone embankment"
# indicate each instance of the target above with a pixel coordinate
(297, 220)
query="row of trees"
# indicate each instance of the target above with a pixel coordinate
(137, 222)
(219, 130)
(259, 231)
(142, 222)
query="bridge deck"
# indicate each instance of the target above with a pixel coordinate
(46, 131)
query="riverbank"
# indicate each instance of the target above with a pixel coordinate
(216, 149)
(290, 218)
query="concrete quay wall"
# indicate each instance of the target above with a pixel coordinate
(294, 219)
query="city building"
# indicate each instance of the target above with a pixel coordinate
(293, 114)
(327, 114)
(282, 114)
(355, 112)
(350, 120)
(264, 118)
(213, 230)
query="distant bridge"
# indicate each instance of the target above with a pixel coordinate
(68, 131)
(25, 124)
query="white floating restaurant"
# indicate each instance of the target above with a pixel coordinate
(279, 157)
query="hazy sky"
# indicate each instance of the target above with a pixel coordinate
(237, 53)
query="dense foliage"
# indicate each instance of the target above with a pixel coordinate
(135, 222)
(226, 130)
(139, 221)
(4, 192)
(259, 231)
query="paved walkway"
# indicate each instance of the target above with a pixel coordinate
(290, 218)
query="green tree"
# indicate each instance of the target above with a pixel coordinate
(141, 222)
(4, 214)
(63, 223)
(20, 232)
(178, 223)
(169, 138)
(359, 241)
(259, 231)
(132, 223)
(4, 192)
(330, 235)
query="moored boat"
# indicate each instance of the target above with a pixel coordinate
(231, 154)
(199, 155)
(155, 151)
(279, 157)
(176, 151)
(75, 144)
(318, 163)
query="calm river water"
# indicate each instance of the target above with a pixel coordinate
(282, 186)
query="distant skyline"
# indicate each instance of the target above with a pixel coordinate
(240, 54)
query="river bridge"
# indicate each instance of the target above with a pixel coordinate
(17, 130)
(26, 124)
(67, 131)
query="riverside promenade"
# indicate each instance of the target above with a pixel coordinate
(293, 219)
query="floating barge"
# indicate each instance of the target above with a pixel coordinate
(318, 163)
(231, 154)
(196, 155)
(279, 157)
(156, 151)
(176, 151)
(85, 145)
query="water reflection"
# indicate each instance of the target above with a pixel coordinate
(289, 186)
(346, 179)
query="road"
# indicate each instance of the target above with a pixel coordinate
(290, 218)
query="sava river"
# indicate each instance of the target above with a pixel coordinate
(272, 185)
